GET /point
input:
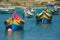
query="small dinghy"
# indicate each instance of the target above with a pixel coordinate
(5, 10)
(14, 22)
(28, 14)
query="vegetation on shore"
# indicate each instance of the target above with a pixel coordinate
(26, 3)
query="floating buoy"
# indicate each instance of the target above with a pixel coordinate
(9, 30)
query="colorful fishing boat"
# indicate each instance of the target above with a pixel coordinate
(14, 22)
(53, 8)
(44, 17)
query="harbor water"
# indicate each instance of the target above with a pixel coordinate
(32, 31)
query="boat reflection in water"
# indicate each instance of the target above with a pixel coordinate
(15, 35)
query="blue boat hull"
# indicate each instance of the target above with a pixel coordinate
(44, 20)
(14, 27)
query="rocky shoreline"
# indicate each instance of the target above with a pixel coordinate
(32, 7)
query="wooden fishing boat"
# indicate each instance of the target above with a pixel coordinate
(14, 22)
(44, 17)
(53, 8)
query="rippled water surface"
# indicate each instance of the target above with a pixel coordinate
(32, 31)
